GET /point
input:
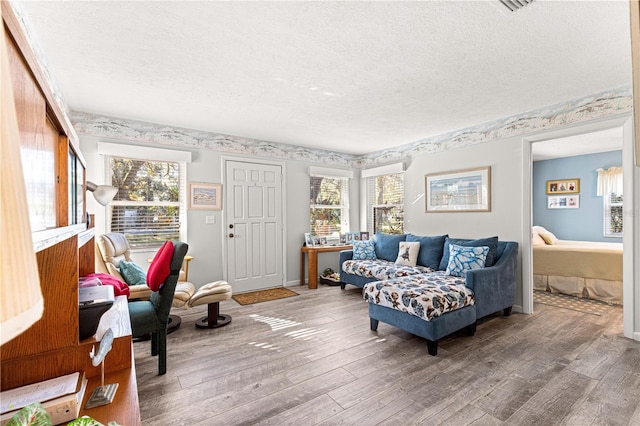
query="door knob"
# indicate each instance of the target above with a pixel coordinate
(231, 235)
(231, 226)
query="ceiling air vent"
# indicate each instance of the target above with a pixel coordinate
(515, 5)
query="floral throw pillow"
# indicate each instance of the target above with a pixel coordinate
(462, 259)
(364, 250)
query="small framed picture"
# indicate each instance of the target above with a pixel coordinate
(563, 202)
(343, 238)
(563, 186)
(364, 236)
(308, 239)
(205, 196)
(322, 241)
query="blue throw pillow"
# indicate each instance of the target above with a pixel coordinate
(364, 250)
(132, 273)
(431, 249)
(491, 242)
(387, 245)
(462, 259)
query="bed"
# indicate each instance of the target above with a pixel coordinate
(579, 268)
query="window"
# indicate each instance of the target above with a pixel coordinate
(610, 188)
(329, 205)
(385, 203)
(149, 207)
(613, 215)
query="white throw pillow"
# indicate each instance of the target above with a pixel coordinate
(408, 253)
(538, 229)
(548, 237)
(537, 240)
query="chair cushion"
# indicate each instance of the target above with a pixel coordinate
(144, 319)
(140, 292)
(112, 248)
(381, 269)
(160, 266)
(426, 296)
(132, 273)
(216, 291)
(184, 291)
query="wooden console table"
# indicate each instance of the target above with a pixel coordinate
(312, 269)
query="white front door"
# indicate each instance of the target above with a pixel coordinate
(253, 225)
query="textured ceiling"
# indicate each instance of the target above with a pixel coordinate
(353, 77)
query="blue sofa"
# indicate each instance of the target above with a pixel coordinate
(492, 287)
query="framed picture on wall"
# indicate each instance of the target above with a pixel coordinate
(466, 190)
(563, 186)
(563, 202)
(205, 196)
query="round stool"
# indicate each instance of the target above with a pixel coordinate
(212, 294)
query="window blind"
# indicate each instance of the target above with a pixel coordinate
(329, 205)
(150, 206)
(385, 203)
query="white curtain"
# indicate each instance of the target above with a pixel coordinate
(610, 181)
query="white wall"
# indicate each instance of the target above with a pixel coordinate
(509, 218)
(504, 219)
(206, 242)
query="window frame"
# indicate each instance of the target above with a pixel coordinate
(371, 205)
(608, 207)
(343, 207)
(182, 194)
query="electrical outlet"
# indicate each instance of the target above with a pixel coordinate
(209, 220)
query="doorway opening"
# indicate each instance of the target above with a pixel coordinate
(622, 122)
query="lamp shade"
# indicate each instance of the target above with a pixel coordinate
(102, 193)
(21, 302)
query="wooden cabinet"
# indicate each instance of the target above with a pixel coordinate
(55, 185)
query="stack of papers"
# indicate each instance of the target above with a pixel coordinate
(61, 397)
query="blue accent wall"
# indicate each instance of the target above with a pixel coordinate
(586, 222)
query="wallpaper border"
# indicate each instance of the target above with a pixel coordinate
(600, 105)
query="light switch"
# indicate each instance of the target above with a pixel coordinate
(209, 220)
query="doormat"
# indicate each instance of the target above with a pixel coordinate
(587, 306)
(263, 295)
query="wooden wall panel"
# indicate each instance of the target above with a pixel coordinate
(58, 327)
(86, 258)
(62, 176)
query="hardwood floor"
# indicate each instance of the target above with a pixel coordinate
(312, 360)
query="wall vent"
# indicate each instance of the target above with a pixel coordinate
(515, 5)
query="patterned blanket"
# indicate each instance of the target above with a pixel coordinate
(426, 296)
(381, 269)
